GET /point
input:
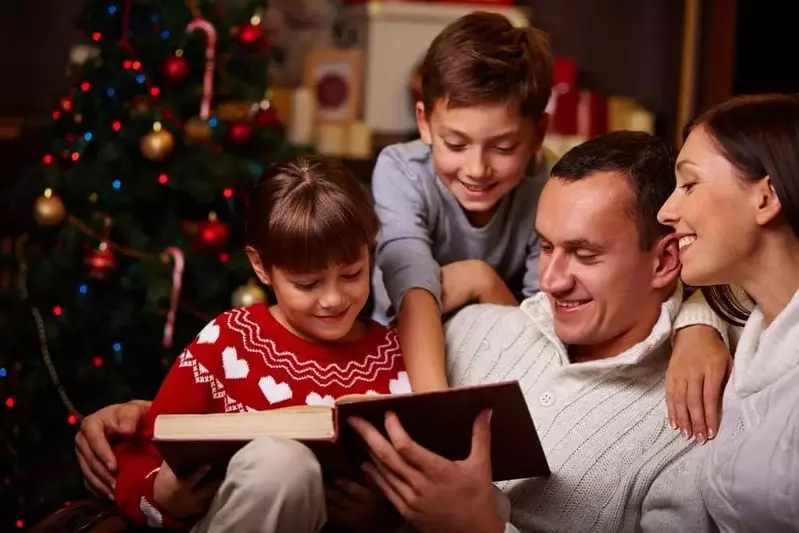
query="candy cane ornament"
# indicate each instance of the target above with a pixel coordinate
(177, 282)
(210, 54)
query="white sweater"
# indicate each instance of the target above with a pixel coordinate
(616, 464)
(751, 480)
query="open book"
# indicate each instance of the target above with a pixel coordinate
(441, 421)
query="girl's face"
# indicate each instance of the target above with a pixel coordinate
(323, 305)
(714, 213)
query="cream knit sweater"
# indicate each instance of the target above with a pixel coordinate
(616, 464)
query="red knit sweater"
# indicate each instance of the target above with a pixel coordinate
(245, 360)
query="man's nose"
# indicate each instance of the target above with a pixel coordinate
(554, 275)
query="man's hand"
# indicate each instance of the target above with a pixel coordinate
(358, 508)
(433, 493)
(96, 460)
(183, 498)
(472, 280)
(700, 365)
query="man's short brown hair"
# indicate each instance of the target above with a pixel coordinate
(482, 58)
(308, 214)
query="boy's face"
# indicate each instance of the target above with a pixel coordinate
(480, 152)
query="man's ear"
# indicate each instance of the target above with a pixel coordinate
(666, 264)
(767, 203)
(257, 265)
(423, 124)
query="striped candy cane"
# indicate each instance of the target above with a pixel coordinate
(177, 282)
(210, 50)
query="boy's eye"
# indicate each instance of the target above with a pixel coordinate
(307, 286)
(455, 147)
(586, 257)
(546, 247)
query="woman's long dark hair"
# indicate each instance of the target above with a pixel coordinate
(759, 135)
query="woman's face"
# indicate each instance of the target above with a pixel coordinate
(713, 212)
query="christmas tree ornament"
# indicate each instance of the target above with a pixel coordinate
(210, 51)
(48, 209)
(101, 261)
(198, 130)
(247, 295)
(240, 133)
(234, 110)
(213, 233)
(175, 69)
(179, 262)
(251, 34)
(267, 118)
(158, 144)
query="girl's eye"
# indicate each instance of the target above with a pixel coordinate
(687, 187)
(354, 275)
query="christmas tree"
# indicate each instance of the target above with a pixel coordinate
(139, 224)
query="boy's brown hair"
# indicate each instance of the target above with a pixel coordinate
(482, 58)
(308, 214)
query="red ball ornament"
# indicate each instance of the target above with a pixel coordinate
(175, 69)
(251, 35)
(213, 234)
(101, 261)
(267, 118)
(240, 133)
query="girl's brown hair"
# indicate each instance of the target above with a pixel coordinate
(759, 136)
(309, 213)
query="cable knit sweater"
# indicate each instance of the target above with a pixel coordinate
(616, 464)
(751, 479)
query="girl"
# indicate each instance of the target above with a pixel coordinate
(310, 233)
(736, 211)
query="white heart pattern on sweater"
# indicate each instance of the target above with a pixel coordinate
(401, 385)
(273, 391)
(315, 399)
(235, 368)
(209, 334)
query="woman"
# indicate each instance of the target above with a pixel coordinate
(736, 212)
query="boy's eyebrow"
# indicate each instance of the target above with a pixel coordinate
(504, 135)
(575, 244)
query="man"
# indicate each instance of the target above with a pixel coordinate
(591, 354)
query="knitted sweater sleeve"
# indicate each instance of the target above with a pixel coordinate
(139, 461)
(695, 311)
(674, 501)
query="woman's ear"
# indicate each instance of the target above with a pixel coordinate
(666, 262)
(257, 265)
(767, 203)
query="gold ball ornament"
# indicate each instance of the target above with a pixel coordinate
(48, 209)
(198, 129)
(157, 145)
(248, 294)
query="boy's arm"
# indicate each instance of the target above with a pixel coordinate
(421, 336)
(410, 272)
(139, 461)
(699, 366)
(530, 286)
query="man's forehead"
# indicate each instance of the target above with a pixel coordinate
(595, 208)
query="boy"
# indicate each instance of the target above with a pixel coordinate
(457, 207)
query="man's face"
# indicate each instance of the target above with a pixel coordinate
(598, 280)
(480, 152)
